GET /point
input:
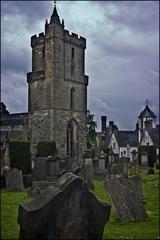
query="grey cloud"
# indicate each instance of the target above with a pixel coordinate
(122, 73)
(32, 10)
(136, 15)
(16, 61)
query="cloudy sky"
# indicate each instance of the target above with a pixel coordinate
(122, 55)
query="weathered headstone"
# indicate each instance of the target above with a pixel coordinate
(124, 163)
(134, 163)
(102, 160)
(14, 180)
(52, 167)
(40, 169)
(87, 170)
(136, 183)
(127, 202)
(116, 169)
(68, 211)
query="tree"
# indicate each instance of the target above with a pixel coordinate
(91, 130)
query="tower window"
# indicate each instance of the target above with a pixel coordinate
(72, 52)
(72, 103)
(43, 52)
(72, 140)
(72, 69)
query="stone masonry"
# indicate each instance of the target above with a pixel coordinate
(58, 90)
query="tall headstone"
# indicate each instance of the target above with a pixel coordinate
(102, 160)
(68, 211)
(126, 198)
(87, 171)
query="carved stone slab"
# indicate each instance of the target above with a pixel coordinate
(67, 211)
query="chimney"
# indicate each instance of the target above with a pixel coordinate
(111, 123)
(115, 128)
(104, 120)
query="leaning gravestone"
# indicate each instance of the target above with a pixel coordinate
(126, 200)
(136, 182)
(14, 180)
(67, 211)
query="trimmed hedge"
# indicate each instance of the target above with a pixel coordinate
(20, 157)
(45, 149)
(150, 151)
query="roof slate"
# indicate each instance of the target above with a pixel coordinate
(147, 112)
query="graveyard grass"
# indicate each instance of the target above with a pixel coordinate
(113, 230)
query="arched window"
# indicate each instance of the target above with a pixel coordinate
(72, 139)
(72, 100)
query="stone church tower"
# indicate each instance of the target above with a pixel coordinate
(58, 90)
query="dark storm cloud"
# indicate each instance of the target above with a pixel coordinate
(137, 15)
(121, 55)
(15, 61)
(32, 10)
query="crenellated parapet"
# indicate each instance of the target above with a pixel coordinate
(35, 76)
(74, 38)
(35, 40)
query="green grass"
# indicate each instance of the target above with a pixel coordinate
(148, 229)
(113, 230)
(9, 213)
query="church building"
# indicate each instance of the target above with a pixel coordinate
(57, 92)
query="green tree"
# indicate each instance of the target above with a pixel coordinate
(91, 130)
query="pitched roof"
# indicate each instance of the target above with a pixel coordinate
(55, 17)
(147, 112)
(127, 137)
(14, 119)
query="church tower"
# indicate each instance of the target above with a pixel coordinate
(58, 90)
(146, 120)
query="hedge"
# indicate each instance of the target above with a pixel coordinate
(20, 157)
(150, 151)
(45, 149)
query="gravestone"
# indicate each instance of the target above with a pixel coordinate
(144, 160)
(40, 169)
(14, 180)
(102, 160)
(126, 200)
(52, 167)
(116, 169)
(87, 170)
(67, 211)
(136, 183)
(124, 163)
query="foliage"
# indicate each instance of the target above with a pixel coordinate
(91, 130)
(20, 158)
(45, 149)
(150, 151)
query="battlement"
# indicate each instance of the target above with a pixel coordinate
(74, 38)
(35, 76)
(37, 39)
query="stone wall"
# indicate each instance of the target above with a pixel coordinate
(58, 67)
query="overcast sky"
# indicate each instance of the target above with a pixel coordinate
(122, 55)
